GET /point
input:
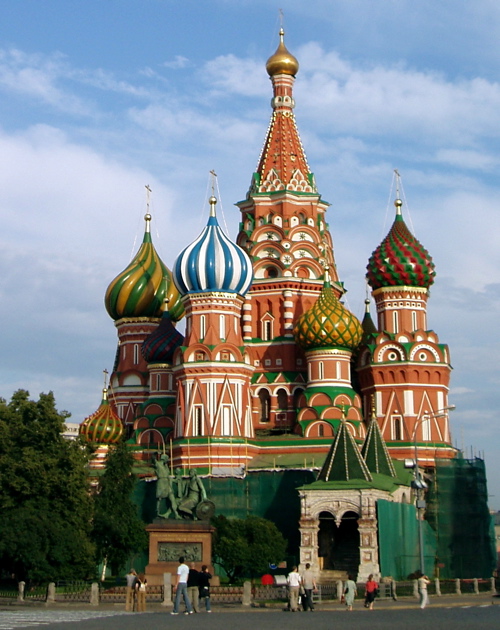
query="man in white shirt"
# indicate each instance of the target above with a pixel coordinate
(294, 581)
(181, 588)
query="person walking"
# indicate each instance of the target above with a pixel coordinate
(181, 589)
(309, 585)
(204, 578)
(192, 587)
(140, 592)
(294, 581)
(371, 590)
(131, 577)
(350, 592)
(423, 581)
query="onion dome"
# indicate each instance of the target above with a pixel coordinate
(400, 260)
(282, 62)
(213, 262)
(327, 324)
(160, 345)
(142, 288)
(103, 426)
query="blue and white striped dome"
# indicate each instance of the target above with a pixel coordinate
(213, 262)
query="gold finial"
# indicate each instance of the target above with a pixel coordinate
(105, 388)
(373, 410)
(213, 199)
(147, 216)
(398, 203)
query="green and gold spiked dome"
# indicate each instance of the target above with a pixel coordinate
(144, 287)
(400, 260)
(328, 324)
(103, 426)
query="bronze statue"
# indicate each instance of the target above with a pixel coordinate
(164, 488)
(195, 494)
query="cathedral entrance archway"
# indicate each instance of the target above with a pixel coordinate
(338, 545)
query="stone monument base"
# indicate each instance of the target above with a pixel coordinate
(170, 539)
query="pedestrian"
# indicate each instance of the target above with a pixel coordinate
(140, 592)
(371, 591)
(204, 578)
(131, 577)
(309, 585)
(294, 581)
(350, 592)
(192, 587)
(181, 589)
(423, 581)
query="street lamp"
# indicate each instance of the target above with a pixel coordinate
(418, 482)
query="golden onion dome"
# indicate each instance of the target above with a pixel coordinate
(144, 287)
(103, 426)
(282, 62)
(328, 324)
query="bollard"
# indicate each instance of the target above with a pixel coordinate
(394, 594)
(94, 594)
(247, 594)
(340, 590)
(438, 587)
(20, 594)
(51, 593)
(493, 588)
(458, 590)
(167, 589)
(475, 582)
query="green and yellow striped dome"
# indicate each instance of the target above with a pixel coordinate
(328, 324)
(103, 426)
(144, 287)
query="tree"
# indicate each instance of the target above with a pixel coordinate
(45, 505)
(246, 546)
(118, 531)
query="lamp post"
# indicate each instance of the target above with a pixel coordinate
(418, 482)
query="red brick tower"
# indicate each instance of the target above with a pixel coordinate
(283, 229)
(402, 365)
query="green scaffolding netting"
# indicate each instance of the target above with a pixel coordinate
(399, 548)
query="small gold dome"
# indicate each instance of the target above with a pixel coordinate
(282, 62)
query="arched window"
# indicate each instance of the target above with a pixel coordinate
(198, 420)
(395, 321)
(397, 432)
(321, 431)
(265, 405)
(222, 326)
(203, 326)
(282, 399)
(321, 370)
(136, 353)
(414, 320)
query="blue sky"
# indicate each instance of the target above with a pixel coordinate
(100, 98)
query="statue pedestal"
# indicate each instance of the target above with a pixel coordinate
(171, 539)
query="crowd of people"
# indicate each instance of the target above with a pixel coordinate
(193, 586)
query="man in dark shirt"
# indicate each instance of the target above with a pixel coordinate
(192, 587)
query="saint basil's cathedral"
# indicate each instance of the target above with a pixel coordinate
(273, 374)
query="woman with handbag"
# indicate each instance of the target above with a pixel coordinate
(350, 592)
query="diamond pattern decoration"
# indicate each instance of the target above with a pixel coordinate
(400, 260)
(328, 324)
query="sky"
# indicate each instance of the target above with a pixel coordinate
(99, 99)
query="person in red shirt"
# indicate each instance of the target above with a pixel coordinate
(371, 590)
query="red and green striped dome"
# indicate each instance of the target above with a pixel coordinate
(400, 260)
(328, 324)
(103, 426)
(142, 289)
